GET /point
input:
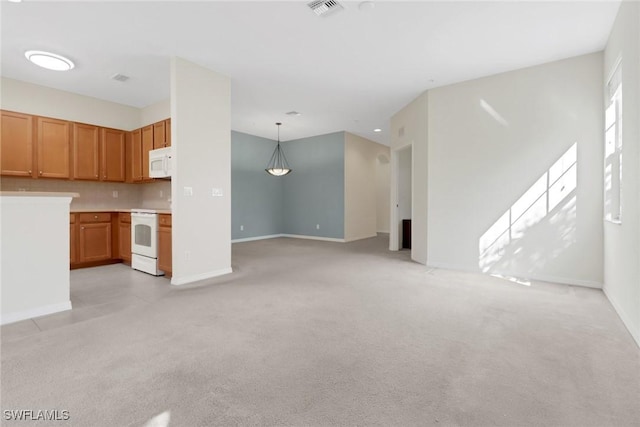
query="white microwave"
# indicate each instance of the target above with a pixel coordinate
(160, 163)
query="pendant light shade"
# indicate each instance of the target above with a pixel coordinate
(278, 165)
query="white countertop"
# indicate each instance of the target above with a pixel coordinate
(36, 194)
(86, 210)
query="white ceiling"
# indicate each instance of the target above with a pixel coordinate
(348, 71)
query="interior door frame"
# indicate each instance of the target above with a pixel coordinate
(395, 232)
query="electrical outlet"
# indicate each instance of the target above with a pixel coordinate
(188, 191)
(114, 193)
(242, 228)
(317, 226)
(216, 192)
(187, 255)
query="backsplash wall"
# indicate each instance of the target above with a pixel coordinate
(98, 195)
(156, 195)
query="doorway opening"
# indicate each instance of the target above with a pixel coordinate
(401, 205)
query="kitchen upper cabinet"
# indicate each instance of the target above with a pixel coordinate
(147, 145)
(136, 155)
(86, 151)
(162, 134)
(113, 155)
(159, 135)
(167, 132)
(54, 143)
(16, 144)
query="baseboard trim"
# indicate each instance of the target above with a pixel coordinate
(626, 319)
(251, 239)
(296, 236)
(324, 239)
(178, 281)
(539, 278)
(35, 312)
(354, 239)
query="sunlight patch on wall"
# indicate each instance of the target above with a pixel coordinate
(493, 113)
(552, 196)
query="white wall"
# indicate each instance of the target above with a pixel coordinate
(360, 192)
(201, 138)
(493, 143)
(622, 242)
(155, 112)
(409, 127)
(34, 256)
(383, 191)
(40, 100)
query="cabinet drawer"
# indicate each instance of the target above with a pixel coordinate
(164, 220)
(72, 218)
(95, 217)
(125, 217)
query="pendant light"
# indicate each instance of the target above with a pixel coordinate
(278, 165)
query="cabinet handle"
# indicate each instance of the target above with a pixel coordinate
(82, 228)
(40, 172)
(95, 217)
(29, 171)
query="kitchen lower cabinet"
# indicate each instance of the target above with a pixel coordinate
(73, 236)
(94, 237)
(165, 260)
(124, 234)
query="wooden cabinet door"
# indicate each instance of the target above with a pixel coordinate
(86, 152)
(53, 148)
(95, 242)
(159, 136)
(164, 249)
(147, 145)
(16, 144)
(73, 240)
(113, 155)
(136, 155)
(167, 132)
(124, 250)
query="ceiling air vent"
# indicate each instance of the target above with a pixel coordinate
(324, 7)
(120, 77)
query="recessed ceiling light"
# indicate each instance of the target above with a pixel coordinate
(366, 5)
(49, 60)
(377, 130)
(15, 1)
(293, 113)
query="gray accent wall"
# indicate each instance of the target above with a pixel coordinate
(256, 197)
(313, 194)
(314, 190)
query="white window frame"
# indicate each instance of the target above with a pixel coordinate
(613, 147)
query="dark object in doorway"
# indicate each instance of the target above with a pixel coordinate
(406, 234)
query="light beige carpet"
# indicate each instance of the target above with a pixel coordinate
(319, 334)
